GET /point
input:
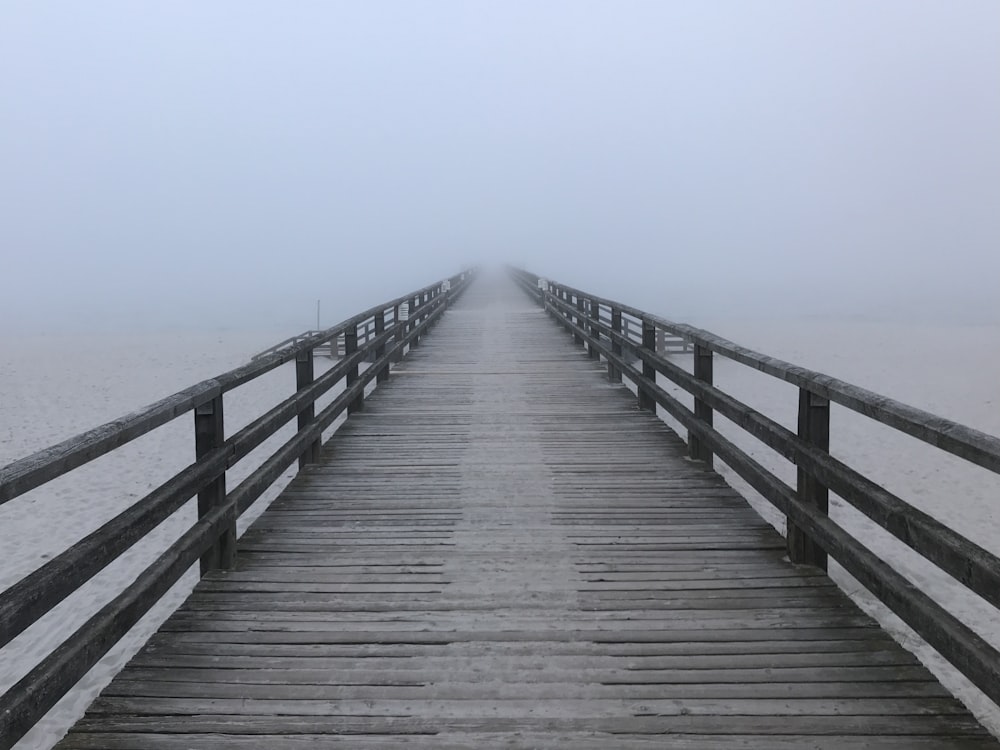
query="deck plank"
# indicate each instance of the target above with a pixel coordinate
(501, 550)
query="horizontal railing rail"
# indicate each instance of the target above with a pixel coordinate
(381, 334)
(626, 338)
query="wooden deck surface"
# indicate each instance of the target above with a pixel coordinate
(502, 551)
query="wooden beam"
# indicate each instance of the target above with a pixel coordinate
(209, 430)
(814, 428)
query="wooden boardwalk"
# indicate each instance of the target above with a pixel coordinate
(501, 550)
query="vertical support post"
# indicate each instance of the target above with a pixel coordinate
(646, 401)
(383, 374)
(614, 374)
(414, 319)
(434, 294)
(210, 434)
(578, 319)
(304, 374)
(400, 323)
(350, 347)
(595, 332)
(448, 294)
(703, 371)
(814, 428)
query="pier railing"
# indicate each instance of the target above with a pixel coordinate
(380, 334)
(626, 338)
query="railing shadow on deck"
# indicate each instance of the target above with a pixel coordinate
(626, 338)
(381, 333)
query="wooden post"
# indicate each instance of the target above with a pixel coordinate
(814, 428)
(415, 341)
(614, 374)
(578, 319)
(595, 332)
(350, 347)
(369, 334)
(400, 324)
(702, 411)
(304, 375)
(646, 401)
(210, 434)
(383, 374)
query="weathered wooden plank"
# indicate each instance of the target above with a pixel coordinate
(490, 741)
(165, 663)
(456, 690)
(449, 740)
(282, 717)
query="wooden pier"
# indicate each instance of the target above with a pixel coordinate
(500, 549)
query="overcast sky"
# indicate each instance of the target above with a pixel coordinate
(227, 163)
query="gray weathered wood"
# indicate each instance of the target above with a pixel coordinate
(502, 551)
(814, 428)
(45, 465)
(304, 377)
(969, 563)
(966, 442)
(702, 371)
(209, 434)
(614, 374)
(646, 400)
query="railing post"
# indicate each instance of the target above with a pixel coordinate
(350, 347)
(814, 428)
(578, 319)
(595, 332)
(646, 401)
(614, 374)
(698, 450)
(210, 434)
(304, 375)
(383, 374)
(400, 314)
(414, 319)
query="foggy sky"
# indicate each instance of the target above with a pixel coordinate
(228, 163)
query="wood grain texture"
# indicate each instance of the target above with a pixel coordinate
(502, 550)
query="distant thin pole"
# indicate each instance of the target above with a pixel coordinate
(317, 316)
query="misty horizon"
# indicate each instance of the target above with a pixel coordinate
(226, 165)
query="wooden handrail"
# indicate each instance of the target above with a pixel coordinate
(49, 463)
(32, 597)
(980, 448)
(812, 534)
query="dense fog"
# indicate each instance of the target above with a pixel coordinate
(228, 164)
